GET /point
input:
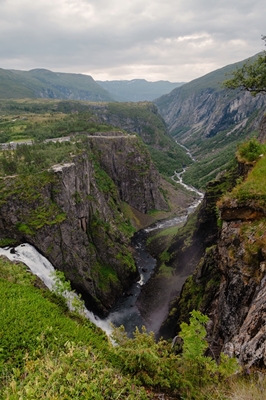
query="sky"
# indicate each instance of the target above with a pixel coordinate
(174, 40)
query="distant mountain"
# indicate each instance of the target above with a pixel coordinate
(138, 89)
(211, 120)
(42, 83)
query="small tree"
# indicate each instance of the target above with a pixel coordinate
(251, 76)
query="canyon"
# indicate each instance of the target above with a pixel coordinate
(82, 214)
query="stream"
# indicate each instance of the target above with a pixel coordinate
(125, 311)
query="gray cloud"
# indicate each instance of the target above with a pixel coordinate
(178, 40)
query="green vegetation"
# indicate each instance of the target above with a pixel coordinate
(44, 83)
(49, 352)
(167, 162)
(104, 182)
(39, 124)
(29, 190)
(145, 119)
(252, 189)
(251, 76)
(250, 151)
(168, 233)
(255, 246)
(40, 120)
(213, 156)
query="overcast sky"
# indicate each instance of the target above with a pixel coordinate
(175, 40)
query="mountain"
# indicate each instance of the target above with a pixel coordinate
(138, 89)
(42, 83)
(210, 120)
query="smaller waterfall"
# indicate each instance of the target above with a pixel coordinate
(42, 268)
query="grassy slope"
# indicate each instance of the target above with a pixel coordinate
(48, 353)
(44, 83)
(211, 80)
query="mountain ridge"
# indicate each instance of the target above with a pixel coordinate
(44, 83)
(138, 89)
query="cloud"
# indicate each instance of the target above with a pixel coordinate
(173, 40)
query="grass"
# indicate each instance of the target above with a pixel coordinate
(253, 188)
(168, 232)
(48, 352)
(249, 387)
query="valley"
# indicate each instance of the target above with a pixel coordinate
(152, 211)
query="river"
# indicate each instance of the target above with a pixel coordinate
(125, 312)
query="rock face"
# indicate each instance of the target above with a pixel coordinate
(128, 163)
(202, 108)
(239, 314)
(74, 214)
(229, 283)
(187, 255)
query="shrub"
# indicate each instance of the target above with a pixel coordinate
(250, 151)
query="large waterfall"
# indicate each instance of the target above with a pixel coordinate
(42, 268)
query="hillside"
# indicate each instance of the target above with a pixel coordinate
(138, 89)
(48, 352)
(210, 120)
(46, 119)
(42, 83)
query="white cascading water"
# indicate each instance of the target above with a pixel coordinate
(42, 268)
(126, 309)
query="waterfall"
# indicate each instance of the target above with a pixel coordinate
(125, 312)
(41, 267)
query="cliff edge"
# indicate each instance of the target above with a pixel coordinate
(77, 213)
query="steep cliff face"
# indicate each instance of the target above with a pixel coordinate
(128, 163)
(209, 112)
(229, 283)
(73, 214)
(203, 107)
(186, 257)
(211, 121)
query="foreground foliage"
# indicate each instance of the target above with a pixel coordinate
(252, 190)
(47, 352)
(157, 365)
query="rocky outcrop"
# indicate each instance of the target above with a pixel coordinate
(131, 170)
(237, 312)
(229, 282)
(73, 214)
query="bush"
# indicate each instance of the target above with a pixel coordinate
(250, 151)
